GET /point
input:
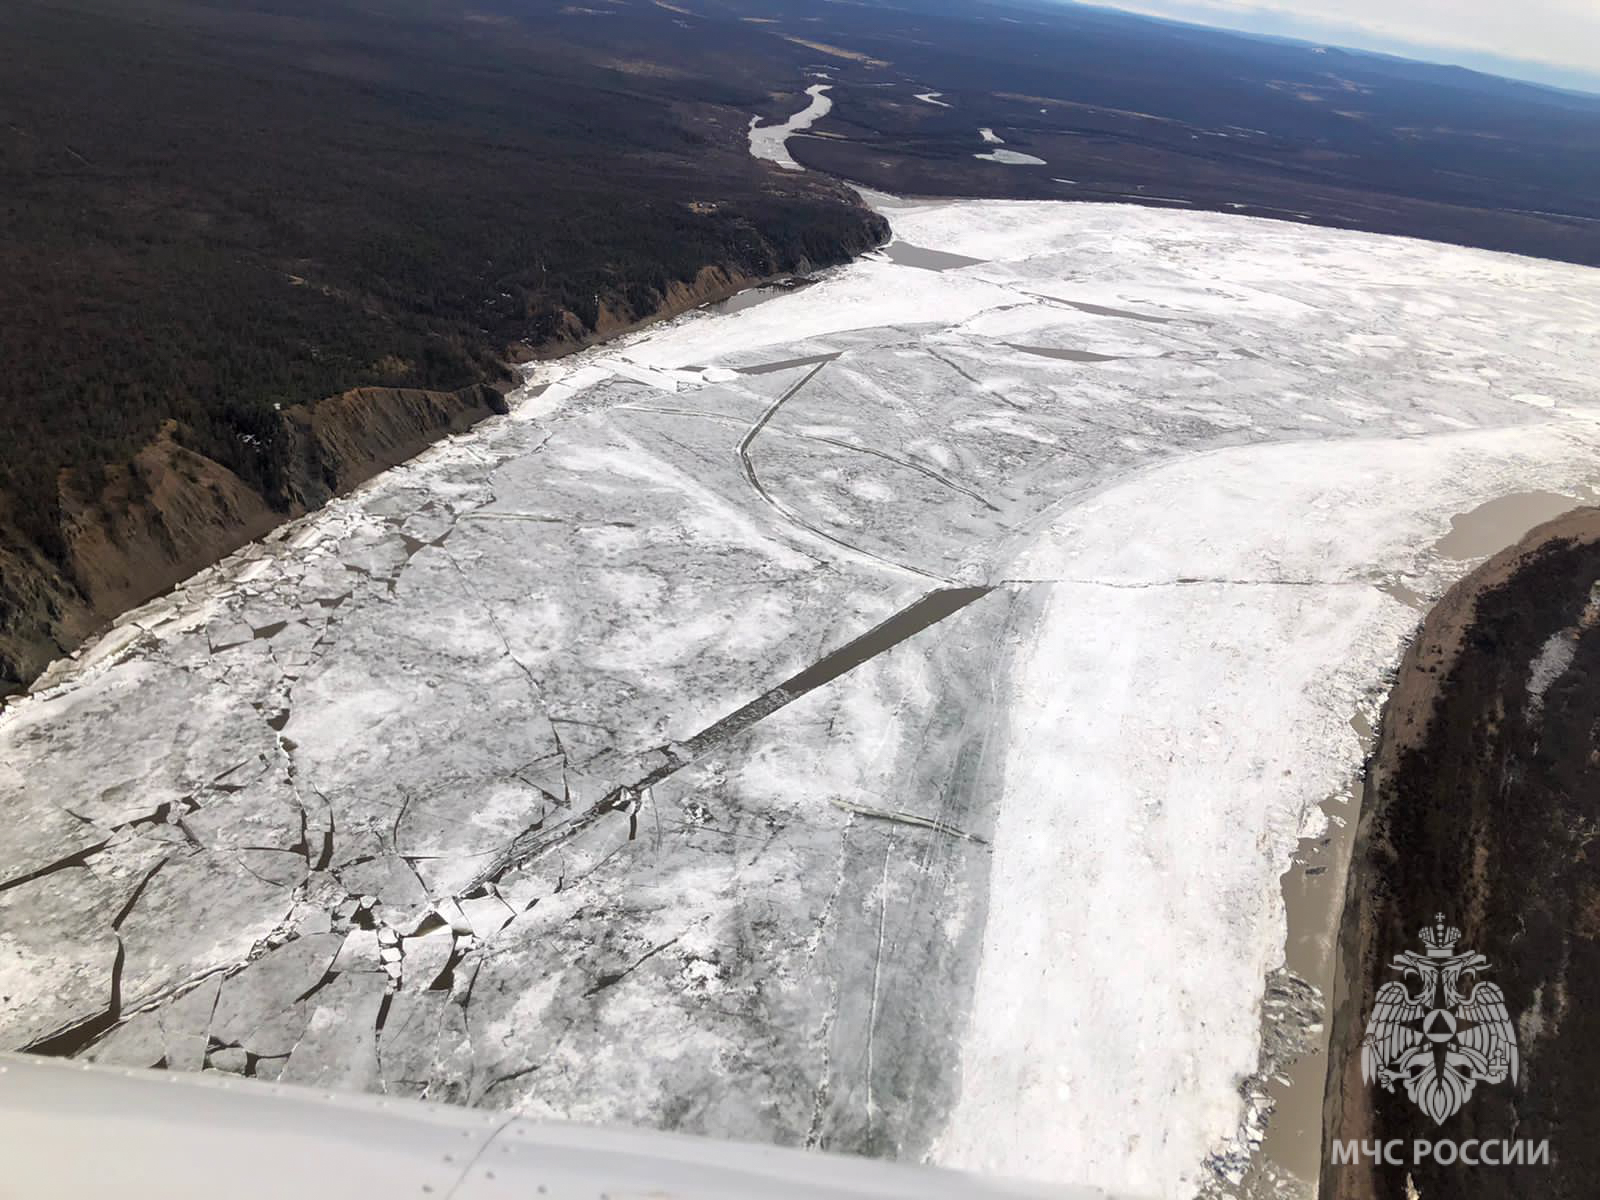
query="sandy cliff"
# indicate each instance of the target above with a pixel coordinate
(170, 512)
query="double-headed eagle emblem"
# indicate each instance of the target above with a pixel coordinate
(1438, 1030)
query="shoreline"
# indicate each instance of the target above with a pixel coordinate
(1426, 838)
(1303, 1031)
(74, 641)
(159, 520)
(536, 375)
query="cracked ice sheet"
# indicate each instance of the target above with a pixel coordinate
(542, 604)
(761, 963)
(868, 295)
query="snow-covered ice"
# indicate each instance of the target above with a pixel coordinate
(769, 142)
(877, 718)
(1014, 158)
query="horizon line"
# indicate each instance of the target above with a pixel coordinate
(1537, 73)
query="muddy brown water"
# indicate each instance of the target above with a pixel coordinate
(1398, 589)
(1498, 523)
(1313, 898)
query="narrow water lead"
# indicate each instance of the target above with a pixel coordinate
(928, 610)
(924, 612)
(748, 298)
(1082, 356)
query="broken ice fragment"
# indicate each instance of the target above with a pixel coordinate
(425, 957)
(359, 952)
(487, 915)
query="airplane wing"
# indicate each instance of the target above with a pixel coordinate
(72, 1131)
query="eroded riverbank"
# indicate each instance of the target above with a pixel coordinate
(1479, 805)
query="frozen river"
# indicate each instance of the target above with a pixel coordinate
(878, 718)
(770, 142)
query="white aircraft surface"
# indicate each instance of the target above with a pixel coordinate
(80, 1132)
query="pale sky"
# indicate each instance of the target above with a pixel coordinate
(1554, 40)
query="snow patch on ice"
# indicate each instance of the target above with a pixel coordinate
(1013, 158)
